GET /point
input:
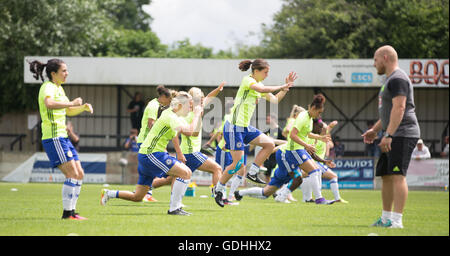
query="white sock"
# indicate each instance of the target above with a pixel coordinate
(397, 218)
(316, 189)
(68, 193)
(112, 193)
(221, 188)
(256, 192)
(235, 183)
(254, 169)
(385, 216)
(283, 192)
(76, 194)
(178, 191)
(335, 188)
(306, 189)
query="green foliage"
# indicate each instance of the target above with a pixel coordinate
(135, 43)
(44, 27)
(354, 29)
(184, 49)
(301, 29)
(128, 14)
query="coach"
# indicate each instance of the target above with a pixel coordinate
(398, 121)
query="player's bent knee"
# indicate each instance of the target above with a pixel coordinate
(186, 175)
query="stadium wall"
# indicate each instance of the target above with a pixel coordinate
(99, 131)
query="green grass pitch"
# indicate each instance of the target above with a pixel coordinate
(35, 209)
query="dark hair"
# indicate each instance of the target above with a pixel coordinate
(163, 91)
(258, 64)
(317, 126)
(52, 65)
(318, 101)
(161, 109)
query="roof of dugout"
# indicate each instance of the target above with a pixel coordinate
(211, 72)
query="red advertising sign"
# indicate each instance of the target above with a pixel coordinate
(430, 72)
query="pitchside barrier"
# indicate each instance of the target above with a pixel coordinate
(353, 173)
(428, 173)
(38, 169)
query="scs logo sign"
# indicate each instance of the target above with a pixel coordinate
(362, 77)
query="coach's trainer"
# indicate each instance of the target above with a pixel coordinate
(397, 119)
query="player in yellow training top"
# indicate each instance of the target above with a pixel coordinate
(53, 107)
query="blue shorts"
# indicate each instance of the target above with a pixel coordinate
(236, 137)
(298, 156)
(323, 168)
(286, 165)
(281, 177)
(154, 165)
(195, 160)
(59, 150)
(223, 158)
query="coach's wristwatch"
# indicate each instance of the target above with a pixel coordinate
(387, 135)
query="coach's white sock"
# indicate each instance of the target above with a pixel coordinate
(335, 188)
(254, 169)
(306, 189)
(385, 216)
(235, 183)
(256, 192)
(68, 193)
(76, 194)
(314, 179)
(178, 191)
(397, 218)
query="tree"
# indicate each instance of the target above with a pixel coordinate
(128, 14)
(184, 49)
(354, 29)
(45, 27)
(135, 43)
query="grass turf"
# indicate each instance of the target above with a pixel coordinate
(36, 208)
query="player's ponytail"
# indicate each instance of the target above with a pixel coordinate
(258, 64)
(37, 67)
(245, 65)
(162, 90)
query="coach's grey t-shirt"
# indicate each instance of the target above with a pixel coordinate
(397, 84)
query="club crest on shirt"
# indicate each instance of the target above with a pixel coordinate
(69, 154)
(169, 161)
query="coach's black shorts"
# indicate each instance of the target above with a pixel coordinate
(397, 160)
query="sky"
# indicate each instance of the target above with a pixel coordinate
(219, 24)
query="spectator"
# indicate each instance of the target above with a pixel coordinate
(421, 151)
(338, 150)
(136, 110)
(131, 142)
(73, 137)
(444, 152)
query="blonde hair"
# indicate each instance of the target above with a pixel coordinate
(196, 94)
(296, 109)
(181, 98)
(173, 93)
